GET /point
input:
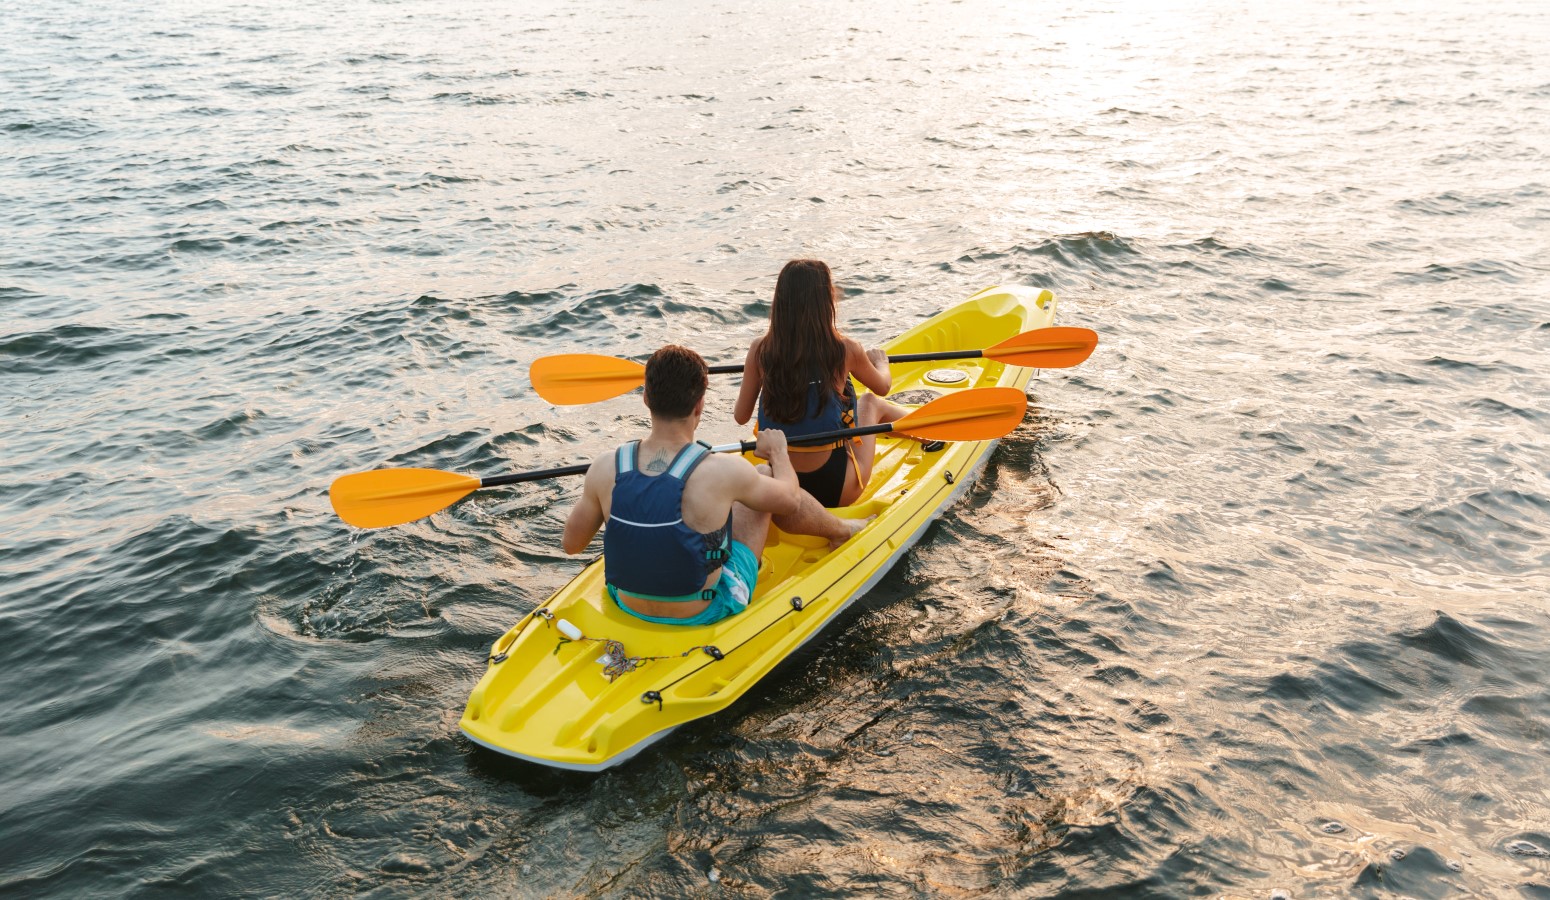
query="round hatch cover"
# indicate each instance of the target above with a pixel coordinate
(946, 376)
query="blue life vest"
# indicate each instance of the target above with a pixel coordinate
(827, 410)
(648, 551)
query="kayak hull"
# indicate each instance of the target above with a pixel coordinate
(547, 699)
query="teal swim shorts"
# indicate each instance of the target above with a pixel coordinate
(739, 574)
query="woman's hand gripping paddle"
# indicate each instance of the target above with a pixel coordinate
(386, 497)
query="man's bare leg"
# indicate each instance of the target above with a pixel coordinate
(812, 518)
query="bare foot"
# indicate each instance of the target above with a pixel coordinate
(852, 528)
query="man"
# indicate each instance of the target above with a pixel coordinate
(686, 527)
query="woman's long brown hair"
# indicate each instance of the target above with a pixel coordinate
(803, 344)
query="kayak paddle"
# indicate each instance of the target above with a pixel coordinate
(386, 497)
(573, 378)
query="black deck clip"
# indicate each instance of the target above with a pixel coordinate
(796, 603)
(652, 697)
(498, 658)
(713, 652)
(948, 476)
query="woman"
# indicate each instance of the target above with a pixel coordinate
(799, 373)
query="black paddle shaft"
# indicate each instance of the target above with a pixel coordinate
(538, 475)
(743, 446)
(821, 437)
(897, 357)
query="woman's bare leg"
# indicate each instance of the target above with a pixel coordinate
(885, 410)
(870, 410)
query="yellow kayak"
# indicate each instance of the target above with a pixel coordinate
(578, 684)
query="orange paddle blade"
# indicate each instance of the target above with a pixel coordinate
(571, 379)
(982, 414)
(395, 496)
(1046, 348)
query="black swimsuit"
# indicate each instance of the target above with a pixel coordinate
(827, 482)
(824, 413)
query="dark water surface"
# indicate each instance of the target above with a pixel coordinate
(1255, 601)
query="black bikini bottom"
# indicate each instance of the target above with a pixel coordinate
(827, 482)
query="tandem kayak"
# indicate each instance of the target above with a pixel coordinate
(578, 684)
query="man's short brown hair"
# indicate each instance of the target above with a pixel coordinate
(675, 381)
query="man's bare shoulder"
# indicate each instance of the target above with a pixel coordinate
(712, 489)
(729, 474)
(728, 465)
(605, 461)
(602, 467)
